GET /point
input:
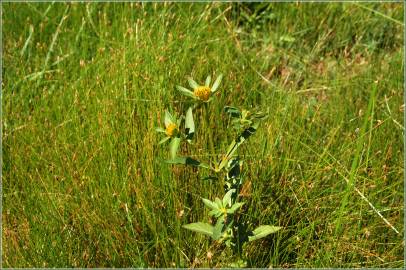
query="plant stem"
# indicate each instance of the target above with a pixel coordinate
(209, 131)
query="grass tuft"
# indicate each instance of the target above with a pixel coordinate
(85, 86)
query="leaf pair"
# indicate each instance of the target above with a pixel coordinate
(215, 232)
(222, 207)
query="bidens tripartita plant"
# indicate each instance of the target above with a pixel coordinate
(227, 226)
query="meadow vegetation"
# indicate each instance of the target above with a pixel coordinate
(85, 86)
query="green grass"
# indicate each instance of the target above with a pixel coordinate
(84, 184)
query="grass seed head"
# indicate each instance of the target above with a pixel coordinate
(209, 255)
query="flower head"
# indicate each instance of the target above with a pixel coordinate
(172, 133)
(171, 125)
(201, 93)
(171, 130)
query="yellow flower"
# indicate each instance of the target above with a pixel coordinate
(202, 92)
(171, 129)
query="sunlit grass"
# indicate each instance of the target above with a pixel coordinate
(85, 86)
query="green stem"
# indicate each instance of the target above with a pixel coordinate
(209, 131)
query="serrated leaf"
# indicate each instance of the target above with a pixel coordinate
(234, 208)
(192, 83)
(200, 227)
(227, 197)
(174, 146)
(263, 231)
(208, 80)
(185, 91)
(163, 140)
(210, 204)
(216, 83)
(218, 228)
(189, 124)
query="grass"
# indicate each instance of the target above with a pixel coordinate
(85, 85)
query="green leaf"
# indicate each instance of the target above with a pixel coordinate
(159, 129)
(236, 143)
(287, 38)
(216, 83)
(232, 111)
(209, 177)
(174, 146)
(186, 92)
(179, 120)
(201, 165)
(263, 231)
(238, 264)
(233, 169)
(187, 161)
(219, 203)
(260, 115)
(192, 83)
(218, 228)
(210, 204)
(234, 207)
(177, 160)
(163, 140)
(189, 124)
(227, 197)
(169, 119)
(215, 213)
(200, 227)
(208, 80)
